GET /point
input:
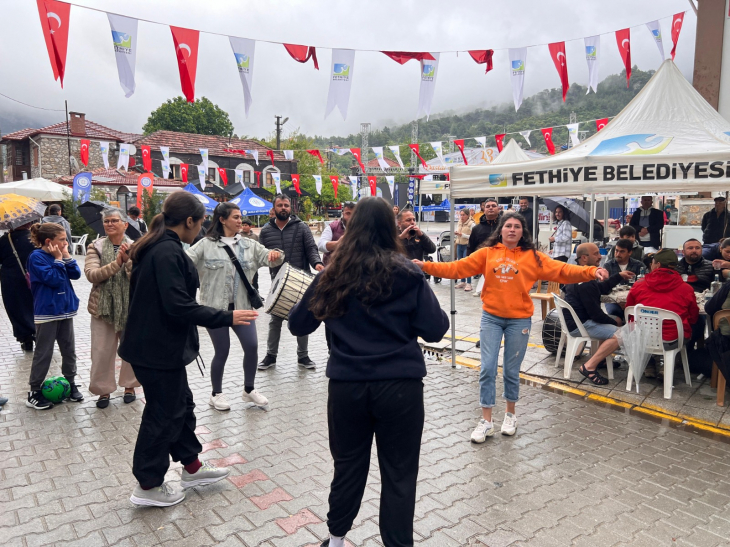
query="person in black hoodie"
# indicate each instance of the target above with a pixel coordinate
(488, 222)
(160, 340)
(370, 291)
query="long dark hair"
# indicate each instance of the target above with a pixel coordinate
(177, 208)
(365, 262)
(222, 211)
(525, 242)
(566, 213)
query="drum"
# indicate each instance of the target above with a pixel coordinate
(287, 289)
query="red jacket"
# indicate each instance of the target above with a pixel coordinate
(663, 288)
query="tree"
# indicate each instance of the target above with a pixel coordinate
(201, 117)
(151, 205)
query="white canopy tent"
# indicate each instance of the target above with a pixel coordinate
(513, 153)
(38, 188)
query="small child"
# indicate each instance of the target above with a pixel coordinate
(51, 269)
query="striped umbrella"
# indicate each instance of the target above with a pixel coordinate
(17, 210)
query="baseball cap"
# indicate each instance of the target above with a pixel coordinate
(720, 198)
(667, 258)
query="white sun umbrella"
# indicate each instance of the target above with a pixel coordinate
(38, 188)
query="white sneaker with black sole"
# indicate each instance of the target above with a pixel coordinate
(38, 401)
(207, 474)
(164, 495)
(483, 430)
(255, 397)
(219, 402)
(509, 424)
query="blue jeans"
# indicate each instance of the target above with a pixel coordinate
(516, 333)
(461, 253)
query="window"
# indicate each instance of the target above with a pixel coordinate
(212, 173)
(21, 158)
(247, 177)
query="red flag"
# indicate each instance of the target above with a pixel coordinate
(55, 17)
(144, 182)
(186, 50)
(258, 178)
(270, 153)
(676, 29)
(302, 53)
(184, 172)
(460, 145)
(623, 40)
(222, 174)
(416, 149)
(373, 186)
(403, 57)
(483, 57)
(500, 141)
(557, 52)
(548, 136)
(317, 155)
(334, 180)
(84, 152)
(295, 182)
(146, 158)
(600, 124)
(358, 156)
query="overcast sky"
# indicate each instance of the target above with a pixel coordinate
(383, 92)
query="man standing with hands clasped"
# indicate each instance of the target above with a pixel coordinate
(648, 222)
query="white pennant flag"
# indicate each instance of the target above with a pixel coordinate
(124, 37)
(656, 34)
(429, 70)
(255, 154)
(277, 181)
(593, 44)
(238, 175)
(243, 50)
(202, 170)
(518, 60)
(396, 153)
(379, 156)
(437, 147)
(526, 136)
(204, 155)
(165, 151)
(123, 160)
(104, 146)
(353, 187)
(573, 132)
(428, 178)
(482, 141)
(288, 154)
(318, 183)
(341, 151)
(343, 64)
(391, 185)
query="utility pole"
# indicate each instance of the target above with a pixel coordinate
(414, 140)
(68, 141)
(279, 125)
(364, 132)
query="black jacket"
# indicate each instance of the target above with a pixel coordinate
(586, 301)
(380, 343)
(700, 275)
(481, 232)
(163, 314)
(295, 240)
(656, 223)
(9, 267)
(613, 267)
(714, 228)
(529, 215)
(419, 246)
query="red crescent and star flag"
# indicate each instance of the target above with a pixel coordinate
(358, 156)
(623, 40)
(403, 57)
(460, 145)
(55, 17)
(483, 57)
(500, 141)
(302, 53)
(270, 153)
(677, 21)
(317, 155)
(372, 181)
(184, 172)
(146, 158)
(295, 182)
(186, 50)
(334, 179)
(600, 124)
(557, 52)
(547, 134)
(223, 176)
(416, 150)
(84, 151)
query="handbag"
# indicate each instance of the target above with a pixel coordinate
(25, 274)
(253, 295)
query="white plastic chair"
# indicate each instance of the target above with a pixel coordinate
(573, 342)
(79, 247)
(651, 320)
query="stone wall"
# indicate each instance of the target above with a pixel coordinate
(53, 159)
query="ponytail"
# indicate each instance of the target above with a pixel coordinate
(48, 230)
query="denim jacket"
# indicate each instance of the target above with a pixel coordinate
(218, 276)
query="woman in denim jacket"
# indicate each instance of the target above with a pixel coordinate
(222, 288)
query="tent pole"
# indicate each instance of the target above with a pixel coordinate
(605, 217)
(590, 219)
(535, 209)
(453, 281)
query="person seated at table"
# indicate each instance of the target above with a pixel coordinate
(622, 262)
(698, 270)
(628, 232)
(585, 298)
(664, 288)
(723, 263)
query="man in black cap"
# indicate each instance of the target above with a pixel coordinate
(715, 223)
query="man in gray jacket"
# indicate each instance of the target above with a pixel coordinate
(54, 215)
(287, 232)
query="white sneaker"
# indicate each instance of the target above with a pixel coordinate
(483, 430)
(164, 495)
(509, 424)
(207, 474)
(459, 285)
(255, 397)
(219, 402)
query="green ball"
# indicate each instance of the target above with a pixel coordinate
(56, 389)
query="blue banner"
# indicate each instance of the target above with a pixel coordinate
(82, 187)
(411, 189)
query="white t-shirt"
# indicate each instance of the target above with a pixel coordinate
(644, 223)
(231, 242)
(623, 267)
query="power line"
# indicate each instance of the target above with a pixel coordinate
(32, 106)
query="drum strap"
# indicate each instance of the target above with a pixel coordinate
(253, 296)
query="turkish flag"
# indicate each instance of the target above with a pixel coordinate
(460, 145)
(548, 136)
(373, 186)
(483, 57)
(334, 180)
(358, 156)
(302, 53)
(146, 158)
(623, 40)
(186, 50)
(500, 141)
(415, 148)
(258, 178)
(55, 17)
(184, 172)
(403, 57)
(144, 182)
(600, 124)
(222, 174)
(270, 153)
(317, 155)
(557, 52)
(295, 182)
(677, 21)
(84, 151)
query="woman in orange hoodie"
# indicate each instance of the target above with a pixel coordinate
(510, 265)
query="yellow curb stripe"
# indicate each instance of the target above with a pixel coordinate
(709, 428)
(566, 388)
(651, 406)
(608, 401)
(656, 414)
(533, 379)
(696, 421)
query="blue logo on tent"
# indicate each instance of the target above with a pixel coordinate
(632, 145)
(498, 180)
(518, 65)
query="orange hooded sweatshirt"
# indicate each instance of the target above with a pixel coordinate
(509, 274)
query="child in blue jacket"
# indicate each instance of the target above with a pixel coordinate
(51, 269)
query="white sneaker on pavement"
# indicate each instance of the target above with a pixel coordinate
(483, 430)
(509, 424)
(255, 397)
(219, 402)
(207, 474)
(164, 495)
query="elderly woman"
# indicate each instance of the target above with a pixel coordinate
(109, 268)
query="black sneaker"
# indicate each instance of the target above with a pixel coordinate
(268, 362)
(27, 345)
(306, 362)
(75, 396)
(38, 401)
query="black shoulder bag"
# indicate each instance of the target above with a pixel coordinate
(253, 296)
